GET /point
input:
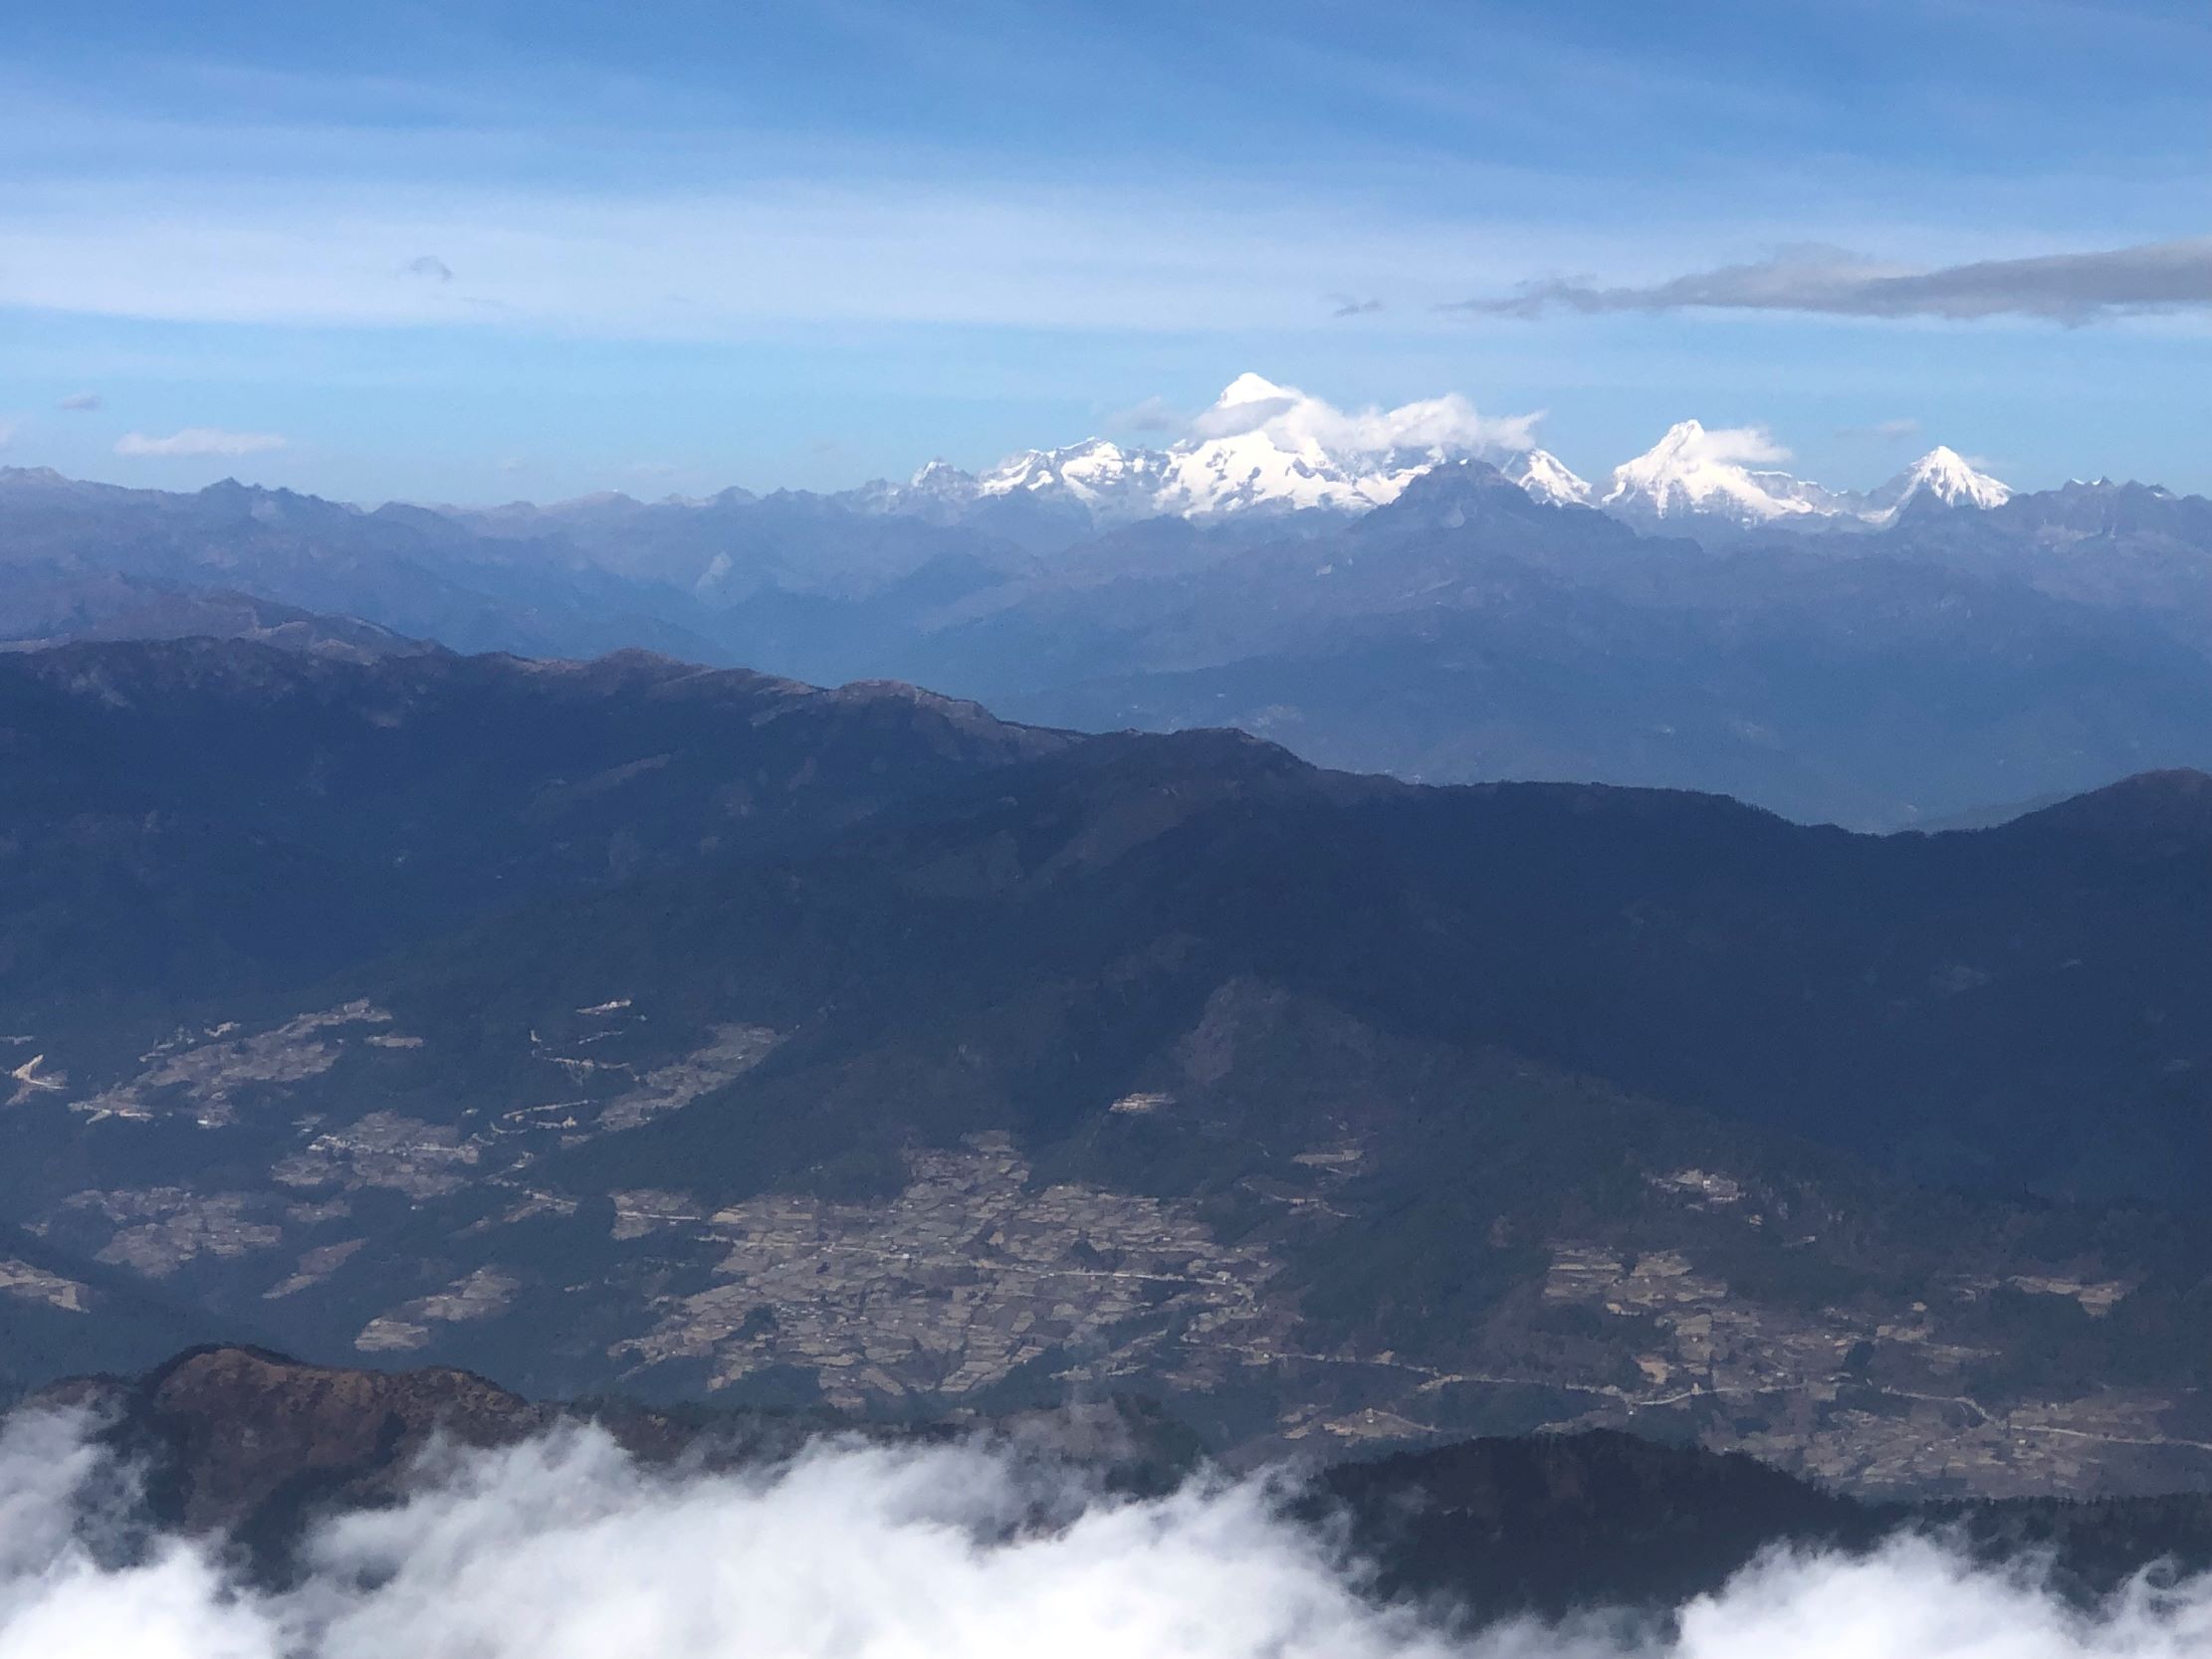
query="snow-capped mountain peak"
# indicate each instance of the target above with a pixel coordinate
(1547, 478)
(1943, 475)
(1265, 444)
(1696, 470)
(1095, 474)
(1259, 445)
(939, 479)
(1262, 445)
(1252, 388)
(1028, 470)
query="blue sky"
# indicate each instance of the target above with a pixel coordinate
(472, 251)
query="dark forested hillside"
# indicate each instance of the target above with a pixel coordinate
(183, 815)
(705, 1034)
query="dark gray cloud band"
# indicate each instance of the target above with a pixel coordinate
(2071, 288)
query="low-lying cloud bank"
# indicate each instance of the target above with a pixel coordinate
(565, 1549)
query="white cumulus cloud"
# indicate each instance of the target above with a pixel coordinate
(1152, 414)
(1448, 426)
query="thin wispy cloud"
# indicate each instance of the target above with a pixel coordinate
(1901, 430)
(199, 441)
(79, 402)
(429, 268)
(1344, 304)
(1153, 414)
(1220, 256)
(2071, 288)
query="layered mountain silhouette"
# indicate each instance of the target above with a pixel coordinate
(699, 1033)
(1944, 651)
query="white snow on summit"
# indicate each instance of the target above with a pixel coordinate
(1695, 471)
(1264, 446)
(942, 480)
(1267, 445)
(1941, 474)
(1097, 475)
(1549, 479)
(1260, 446)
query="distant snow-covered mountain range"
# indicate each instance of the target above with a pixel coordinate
(1695, 473)
(1450, 604)
(1259, 446)
(1265, 446)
